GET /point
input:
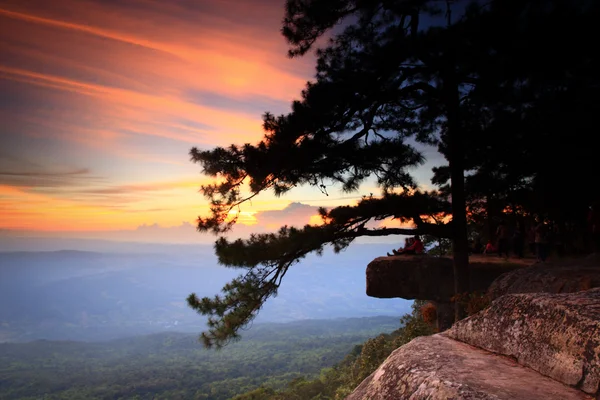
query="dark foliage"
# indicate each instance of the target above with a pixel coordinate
(491, 84)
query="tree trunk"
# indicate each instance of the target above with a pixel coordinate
(460, 245)
(459, 222)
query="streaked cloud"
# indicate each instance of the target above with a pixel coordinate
(125, 189)
(47, 179)
(101, 101)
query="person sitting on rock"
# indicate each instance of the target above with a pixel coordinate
(407, 243)
(416, 247)
(490, 248)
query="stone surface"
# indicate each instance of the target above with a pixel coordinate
(557, 335)
(573, 276)
(428, 278)
(437, 367)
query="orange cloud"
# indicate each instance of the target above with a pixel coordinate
(224, 58)
(25, 209)
(101, 208)
(152, 92)
(124, 90)
(128, 107)
(81, 28)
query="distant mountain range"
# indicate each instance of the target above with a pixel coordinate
(82, 295)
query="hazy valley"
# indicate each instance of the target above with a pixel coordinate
(81, 295)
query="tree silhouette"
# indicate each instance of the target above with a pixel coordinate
(394, 72)
(530, 119)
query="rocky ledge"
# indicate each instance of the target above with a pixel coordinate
(549, 278)
(429, 278)
(439, 368)
(557, 335)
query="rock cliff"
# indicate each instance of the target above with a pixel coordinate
(429, 278)
(524, 346)
(439, 368)
(557, 335)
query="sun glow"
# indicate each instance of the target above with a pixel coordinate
(243, 217)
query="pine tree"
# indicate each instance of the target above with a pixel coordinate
(394, 72)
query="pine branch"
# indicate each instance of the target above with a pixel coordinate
(267, 257)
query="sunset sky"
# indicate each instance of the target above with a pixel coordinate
(100, 102)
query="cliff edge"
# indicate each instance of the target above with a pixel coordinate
(533, 345)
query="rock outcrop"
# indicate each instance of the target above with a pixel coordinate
(539, 339)
(557, 335)
(548, 278)
(437, 367)
(428, 278)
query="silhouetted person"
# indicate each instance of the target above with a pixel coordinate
(477, 247)
(416, 247)
(518, 242)
(558, 240)
(407, 243)
(541, 241)
(502, 234)
(594, 224)
(531, 239)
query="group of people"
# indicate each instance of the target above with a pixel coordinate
(412, 245)
(537, 237)
(541, 238)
